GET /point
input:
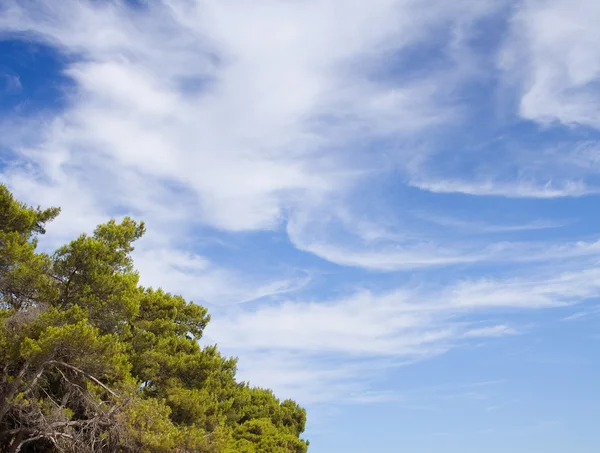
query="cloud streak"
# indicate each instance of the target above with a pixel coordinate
(391, 329)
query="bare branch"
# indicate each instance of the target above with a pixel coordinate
(87, 375)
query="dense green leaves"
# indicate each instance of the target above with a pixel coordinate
(92, 362)
(24, 275)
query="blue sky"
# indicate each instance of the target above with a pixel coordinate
(390, 207)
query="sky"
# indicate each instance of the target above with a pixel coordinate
(390, 207)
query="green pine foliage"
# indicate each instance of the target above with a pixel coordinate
(93, 362)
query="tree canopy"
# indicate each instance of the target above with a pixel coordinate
(93, 362)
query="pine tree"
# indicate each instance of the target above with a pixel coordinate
(93, 362)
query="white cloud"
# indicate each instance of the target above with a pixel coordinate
(10, 84)
(299, 347)
(403, 322)
(477, 226)
(511, 189)
(591, 312)
(489, 332)
(348, 240)
(553, 56)
(549, 65)
(225, 114)
(278, 93)
(200, 280)
(545, 165)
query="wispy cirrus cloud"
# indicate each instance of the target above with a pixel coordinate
(10, 84)
(550, 169)
(512, 189)
(417, 241)
(206, 282)
(364, 331)
(477, 226)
